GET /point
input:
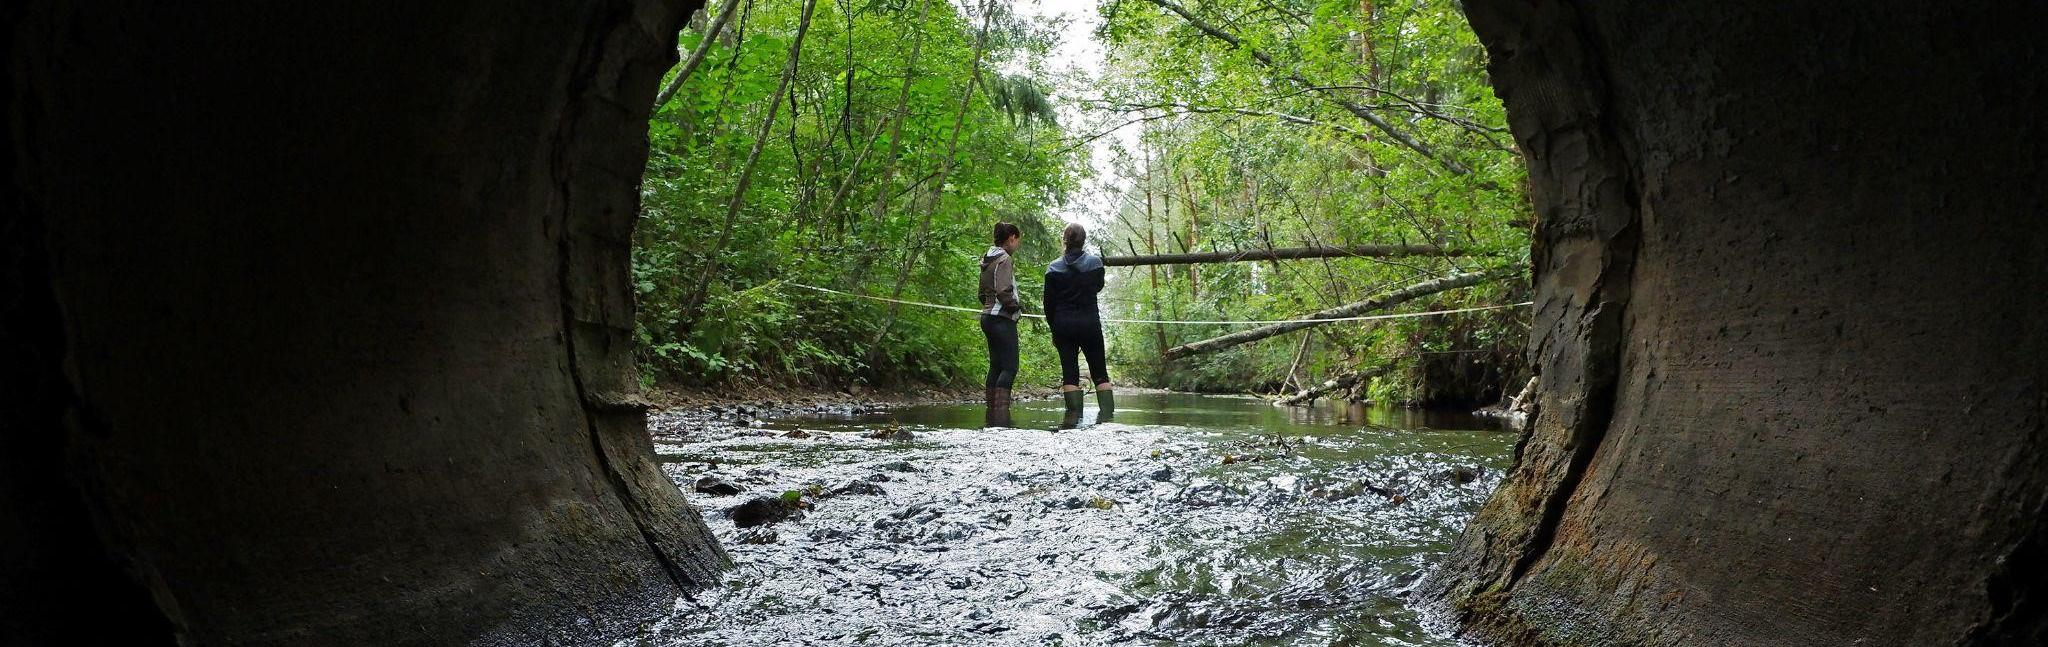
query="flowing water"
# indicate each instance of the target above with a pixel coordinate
(1183, 519)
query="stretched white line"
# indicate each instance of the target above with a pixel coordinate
(1264, 322)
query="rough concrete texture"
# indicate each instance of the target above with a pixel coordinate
(326, 314)
(1791, 330)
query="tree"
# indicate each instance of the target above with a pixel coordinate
(784, 158)
(1286, 131)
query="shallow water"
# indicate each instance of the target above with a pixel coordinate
(1183, 519)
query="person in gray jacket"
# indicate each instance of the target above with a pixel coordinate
(999, 311)
(1071, 285)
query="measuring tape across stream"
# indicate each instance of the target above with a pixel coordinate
(1266, 322)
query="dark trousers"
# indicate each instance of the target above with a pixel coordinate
(1079, 336)
(1002, 350)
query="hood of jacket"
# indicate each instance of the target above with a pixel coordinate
(994, 252)
(1076, 262)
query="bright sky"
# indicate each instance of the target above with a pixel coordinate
(1078, 50)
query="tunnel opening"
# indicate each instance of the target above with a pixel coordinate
(319, 327)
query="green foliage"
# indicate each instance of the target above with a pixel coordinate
(873, 180)
(1236, 155)
(893, 225)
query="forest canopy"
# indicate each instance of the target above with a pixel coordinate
(867, 147)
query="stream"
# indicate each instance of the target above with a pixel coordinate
(1183, 519)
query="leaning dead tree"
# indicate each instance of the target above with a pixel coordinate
(1340, 382)
(1379, 302)
(1286, 253)
(696, 56)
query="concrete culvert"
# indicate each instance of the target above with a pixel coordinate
(317, 330)
(323, 331)
(1789, 326)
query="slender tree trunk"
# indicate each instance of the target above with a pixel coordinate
(1405, 139)
(1187, 196)
(1381, 302)
(1372, 59)
(846, 105)
(852, 172)
(1152, 247)
(696, 55)
(882, 196)
(897, 116)
(739, 192)
(1341, 382)
(924, 225)
(739, 34)
(1289, 380)
(806, 171)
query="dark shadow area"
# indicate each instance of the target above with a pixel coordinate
(1790, 335)
(317, 327)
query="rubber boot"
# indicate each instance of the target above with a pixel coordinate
(1105, 399)
(1074, 400)
(998, 415)
(998, 409)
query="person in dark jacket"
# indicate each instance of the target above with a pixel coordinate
(999, 311)
(1071, 284)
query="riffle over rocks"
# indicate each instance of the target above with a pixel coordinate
(1791, 327)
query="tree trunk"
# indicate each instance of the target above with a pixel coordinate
(863, 262)
(1288, 253)
(746, 179)
(1292, 378)
(1406, 140)
(1187, 197)
(1792, 349)
(331, 340)
(696, 55)
(901, 112)
(1381, 302)
(1152, 247)
(1344, 381)
(846, 184)
(924, 225)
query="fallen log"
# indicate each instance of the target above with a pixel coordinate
(1286, 253)
(1380, 302)
(1345, 381)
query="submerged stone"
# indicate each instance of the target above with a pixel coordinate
(716, 486)
(761, 511)
(1462, 474)
(899, 466)
(891, 432)
(859, 487)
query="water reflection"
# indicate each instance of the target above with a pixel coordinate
(1162, 409)
(997, 417)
